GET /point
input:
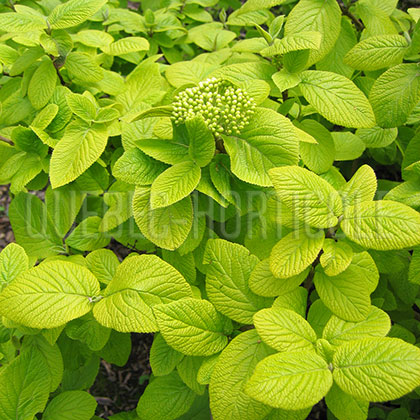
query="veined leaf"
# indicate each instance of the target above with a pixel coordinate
(284, 330)
(377, 52)
(268, 141)
(320, 156)
(42, 84)
(202, 144)
(291, 380)
(166, 227)
(70, 405)
(103, 264)
(163, 358)
(135, 167)
(263, 283)
(377, 137)
(377, 369)
(361, 187)
(73, 12)
(192, 327)
(308, 196)
(336, 257)
(344, 406)
(140, 282)
(347, 294)
(82, 106)
(166, 398)
(174, 184)
(295, 252)
(299, 41)
(126, 45)
(33, 226)
(228, 270)
(227, 385)
(49, 295)
(395, 93)
(20, 22)
(382, 225)
(323, 16)
(376, 324)
(13, 261)
(81, 146)
(24, 387)
(82, 67)
(337, 99)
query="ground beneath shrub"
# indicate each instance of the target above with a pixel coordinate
(118, 389)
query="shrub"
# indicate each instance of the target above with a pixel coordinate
(261, 163)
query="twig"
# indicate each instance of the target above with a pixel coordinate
(346, 12)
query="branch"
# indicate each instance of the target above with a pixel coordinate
(346, 12)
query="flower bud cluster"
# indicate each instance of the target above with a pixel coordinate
(225, 108)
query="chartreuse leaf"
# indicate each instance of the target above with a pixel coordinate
(140, 282)
(336, 257)
(376, 324)
(70, 405)
(103, 264)
(24, 387)
(395, 93)
(316, 15)
(42, 84)
(348, 146)
(49, 295)
(268, 141)
(290, 380)
(88, 331)
(163, 358)
(33, 227)
(264, 283)
(81, 146)
(347, 294)
(13, 261)
(192, 327)
(135, 167)
(228, 270)
(82, 67)
(312, 199)
(377, 52)
(22, 22)
(337, 99)
(361, 187)
(50, 353)
(174, 184)
(344, 406)
(202, 144)
(284, 330)
(295, 252)
(382, 225)
(73, 12)
(310, 40)
(377, 137)
(126, 46)
(377, 369)
(227, 385)
(166, 227)
(87, 235)
(166, 398)
(188, 371)
(317, 157)
(81, 106)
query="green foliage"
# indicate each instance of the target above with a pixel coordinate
(260, 160)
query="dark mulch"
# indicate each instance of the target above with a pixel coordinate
(118, 389)
(6, 234)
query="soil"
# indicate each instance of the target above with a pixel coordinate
(118, 389)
